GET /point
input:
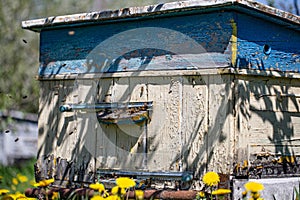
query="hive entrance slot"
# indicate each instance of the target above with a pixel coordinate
(115, 113)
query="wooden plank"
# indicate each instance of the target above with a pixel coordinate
(121, 144)
(284, 44)
(164, 151)
(71, 53)
(194, 123)
(269, 119)
(219, 136)
(150, 73)
(48, 115)
(66, 122)
(242, 117)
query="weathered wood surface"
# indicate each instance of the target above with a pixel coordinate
(165, 43)
(187, 130)
(224, 39)
(198, 123)
(214, 107)
(256, 37)
(267, 117)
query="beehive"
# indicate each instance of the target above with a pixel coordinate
(168, 89)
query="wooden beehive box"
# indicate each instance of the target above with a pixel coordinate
(179, 87)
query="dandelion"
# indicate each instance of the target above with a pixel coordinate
(201, 194)
(55, 196)
(254, 187)
(97, 197)
(13, 187)
(21, 196)
(113, 197)
(118, 191)
(211, 179)
(22, 178)
(15, 181)
(44, 183)
(221, 191)
(15, 196)
(97, 186)
(255, 195)
(139, 194)
(124, 182)
(10, 197)
(3, 191)
(244, 194)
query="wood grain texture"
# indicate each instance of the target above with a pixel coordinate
(213, 107)
(62, 53)
(268, 116)
(253, 34)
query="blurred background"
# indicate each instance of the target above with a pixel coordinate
(19, 92)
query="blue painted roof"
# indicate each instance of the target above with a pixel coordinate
(174, 8)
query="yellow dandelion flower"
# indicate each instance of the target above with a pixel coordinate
(139, 194)
(15, 196)
(44, 183)
(255, 195)
(22, 178)
(254, 186)
(1, 177)
(105, 193)
(13, 187)
(10, 197)
(3, 191)
(201, 194)
(211, 179)
(55, 195)
(125, 182)
(97, 197)
(20, 196)
(15, 181)
(97, 186)
(244, 193)
(113, 197)
(221, 191)
(118, 190)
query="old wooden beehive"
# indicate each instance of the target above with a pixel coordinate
(169, 91)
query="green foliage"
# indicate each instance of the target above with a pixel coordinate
(292, 6)
(20, 49)
(108, 4)
(271, 3)
(8, 173)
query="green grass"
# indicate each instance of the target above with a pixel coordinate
(8, 173)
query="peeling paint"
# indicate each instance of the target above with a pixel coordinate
(233, 42)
